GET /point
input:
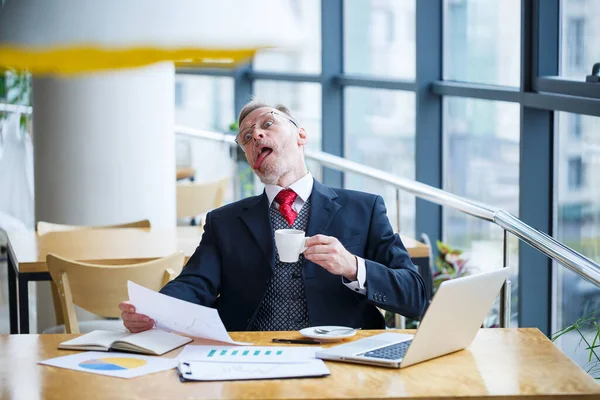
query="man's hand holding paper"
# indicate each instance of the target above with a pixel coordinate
(171, 314)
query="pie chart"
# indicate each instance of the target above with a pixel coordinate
(112, 364)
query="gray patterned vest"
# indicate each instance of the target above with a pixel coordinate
(283, 307)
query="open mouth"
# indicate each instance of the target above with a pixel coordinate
(263, 153)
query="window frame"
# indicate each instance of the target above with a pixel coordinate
(540, 94)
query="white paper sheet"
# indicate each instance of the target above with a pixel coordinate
(210, 371)
(119, 365)
(248, 354)
(176, 315)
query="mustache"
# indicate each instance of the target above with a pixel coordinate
(261, 143)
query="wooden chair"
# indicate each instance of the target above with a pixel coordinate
(199, 198)
(100, 288)
(47, 227)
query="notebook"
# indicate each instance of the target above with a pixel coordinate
(154, 341)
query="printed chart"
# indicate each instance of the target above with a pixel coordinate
(112, 364)
(248, 354)
(215, 353)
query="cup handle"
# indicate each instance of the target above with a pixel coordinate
(304, 245)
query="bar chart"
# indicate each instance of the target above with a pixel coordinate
(248, 354)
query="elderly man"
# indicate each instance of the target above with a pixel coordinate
(353, 263)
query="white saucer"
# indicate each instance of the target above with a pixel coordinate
(331, 337)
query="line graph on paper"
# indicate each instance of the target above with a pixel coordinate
(176, 315)
(228, 371)
(195, 327)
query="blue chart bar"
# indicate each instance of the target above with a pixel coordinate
(212, 353)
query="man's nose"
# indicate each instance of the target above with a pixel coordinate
(258, 133)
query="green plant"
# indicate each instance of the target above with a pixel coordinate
(587, 322)
(448, 265)
(15, 89)
(244, 171)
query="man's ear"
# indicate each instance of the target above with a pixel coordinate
(302, 137)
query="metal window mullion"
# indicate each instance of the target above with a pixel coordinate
(428, 118)
(225, 72)
(242, 92)
(539, 56)
(283, 76)
(332, 101)
(476, 90)
(566, 86)
(375, 83)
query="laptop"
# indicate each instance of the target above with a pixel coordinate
(450, 324)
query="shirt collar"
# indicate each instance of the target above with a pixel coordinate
(303, 188)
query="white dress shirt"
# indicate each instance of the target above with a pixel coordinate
(303, 188)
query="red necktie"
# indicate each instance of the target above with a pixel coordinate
(286, 198)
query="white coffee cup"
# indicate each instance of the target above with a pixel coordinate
(290, 243)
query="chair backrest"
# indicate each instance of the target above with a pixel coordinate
(198, 198)
(47, 227)
(100, 288)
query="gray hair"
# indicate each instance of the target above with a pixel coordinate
(256, 104)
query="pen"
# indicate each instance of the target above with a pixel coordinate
(296, 341)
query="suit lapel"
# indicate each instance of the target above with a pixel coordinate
(322, 211)
(256, 218)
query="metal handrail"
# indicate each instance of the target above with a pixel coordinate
(544, 243)
(15, 108)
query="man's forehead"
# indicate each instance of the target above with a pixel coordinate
(253, 116)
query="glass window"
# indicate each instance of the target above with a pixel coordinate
(306, 57)
(577, 226)
(379, 131)
(576, 126)
(575, 173)
(379, 38)
(482, 41)
(579, 37)
(481, 163)
(304, 100)
(204, 102)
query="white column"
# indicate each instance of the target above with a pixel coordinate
(104, 151)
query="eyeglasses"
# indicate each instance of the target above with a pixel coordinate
(265, 122)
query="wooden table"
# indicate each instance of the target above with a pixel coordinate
(27, 255)
(501, 364)
(185, 173)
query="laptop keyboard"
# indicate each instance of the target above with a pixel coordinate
(392, 352)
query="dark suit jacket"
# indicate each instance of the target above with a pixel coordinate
(231, 267)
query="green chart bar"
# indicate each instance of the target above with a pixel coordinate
(212, 353)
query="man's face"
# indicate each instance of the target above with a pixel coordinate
(274, 144)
